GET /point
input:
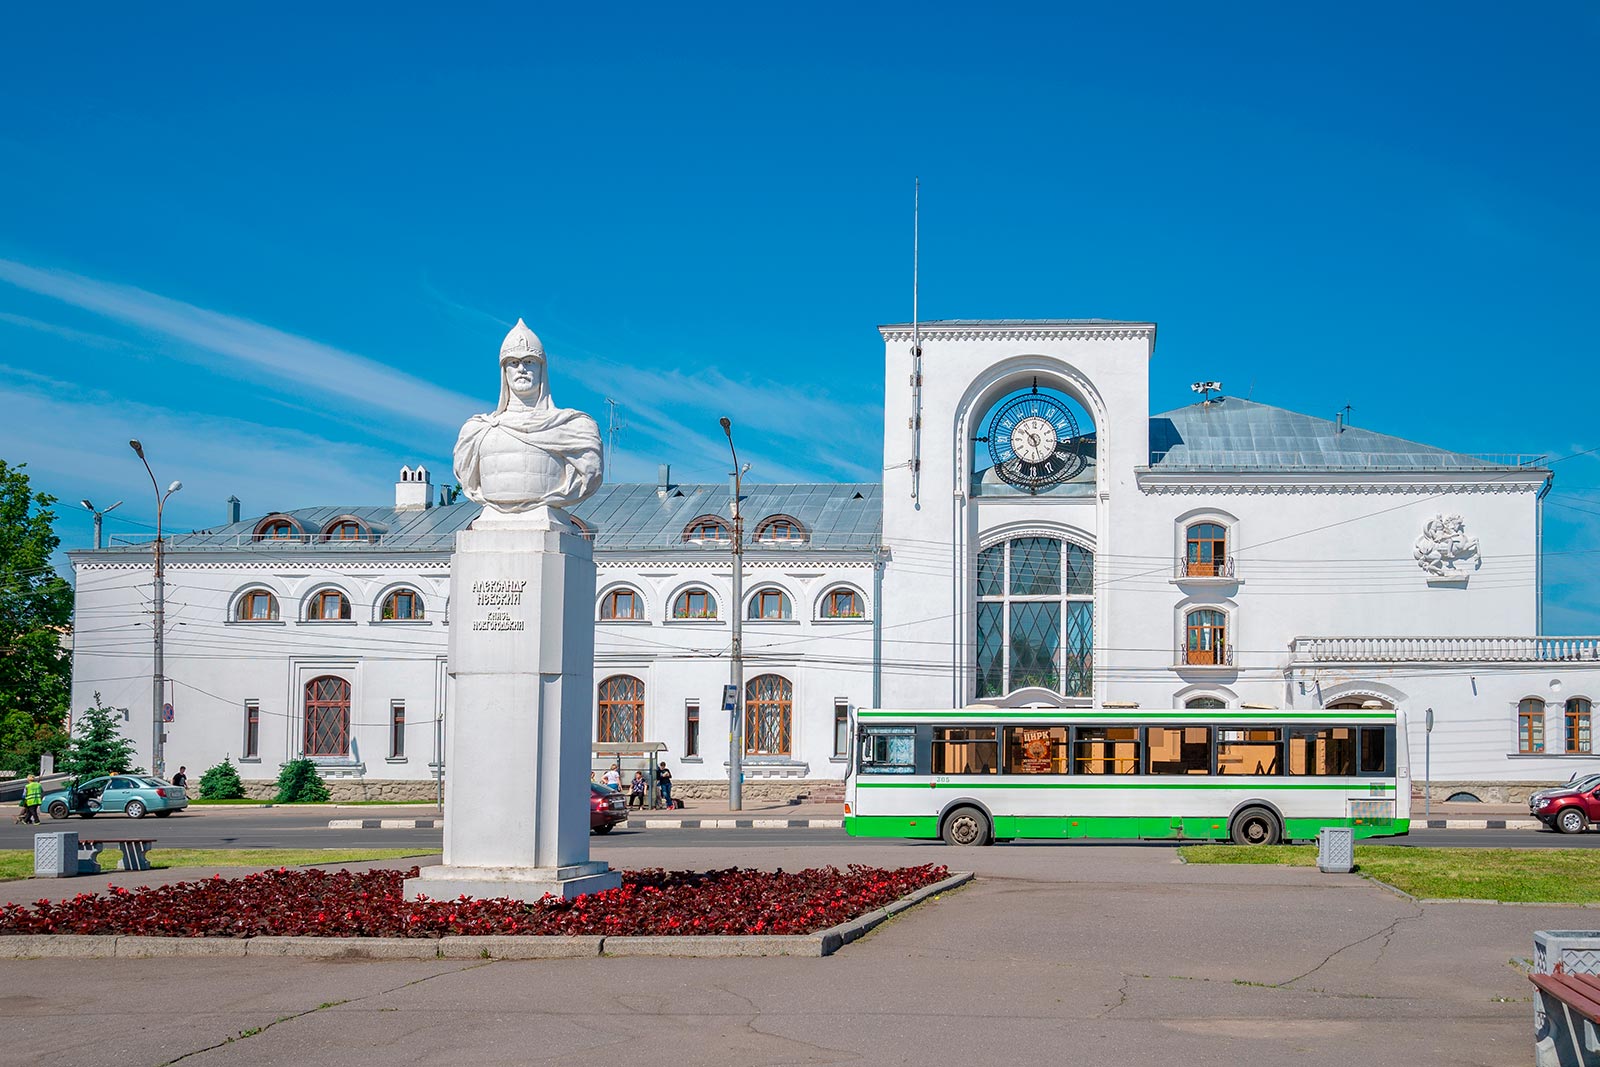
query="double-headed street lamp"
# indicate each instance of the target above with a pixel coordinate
(98, 515)
(736, 661)
(157, 681)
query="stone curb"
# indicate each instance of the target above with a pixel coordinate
(495, 947)
(385, 824)
(1479, 824)
(631, 824)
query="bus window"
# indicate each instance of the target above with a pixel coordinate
(888, 750)
(1178, 750)
(1106, 750)
(1253, 751)
(1326, 750)
(1376, 744)
(965, 750)
(1036, 750)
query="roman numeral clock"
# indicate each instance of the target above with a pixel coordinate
(1034, 442)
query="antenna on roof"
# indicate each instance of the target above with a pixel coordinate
(1341, 419)
(1208, 388)
(916, 344)
(613, 427)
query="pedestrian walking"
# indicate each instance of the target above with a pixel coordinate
(664, 785)
(181, 779)
(32, 797)
(636, 790)
(614, 776)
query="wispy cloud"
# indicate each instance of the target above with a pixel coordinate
(295, 364)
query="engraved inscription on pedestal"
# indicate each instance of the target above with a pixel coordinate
(498, 594)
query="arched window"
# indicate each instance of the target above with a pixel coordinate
(278, 528)
(327, 717)
(621, 716)
(326, 605)
(1579, 736)
(1207, 552)
(694, 604)
(770, 605)
(621, 604)
(780, 529)
(345, 530)
(1035, 617)
(707, 528)
(1207, 643)
(258, 605)
(842, 603)
(402, 605)
(1530, 725)
(1205, 702)
(768, 707)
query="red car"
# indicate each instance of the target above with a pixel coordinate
(1569, 810)
(607, 807)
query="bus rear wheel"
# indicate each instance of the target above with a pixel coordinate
(966, 826)
(1255, 826)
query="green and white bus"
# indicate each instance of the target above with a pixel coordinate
(977, 775)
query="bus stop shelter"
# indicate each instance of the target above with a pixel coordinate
(629, 756)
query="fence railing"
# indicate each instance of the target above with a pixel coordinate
(1196, 568)
(1445, 649)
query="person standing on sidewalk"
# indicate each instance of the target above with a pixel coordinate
(614, 777)
(32, 797)
(664, 785)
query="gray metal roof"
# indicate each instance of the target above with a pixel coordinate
(622, 517)
(1232, 434)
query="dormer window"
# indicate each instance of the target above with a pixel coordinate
(279, 528)
(780, 529)
(707, 529)
(327, 605)
(345, 530)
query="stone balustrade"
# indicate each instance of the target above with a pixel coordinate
(1445, 650)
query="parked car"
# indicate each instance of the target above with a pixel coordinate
(134, 795)
(607, 807)
(1587, 781)
(1569, 810)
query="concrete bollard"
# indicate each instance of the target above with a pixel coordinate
(55, 855)
(1336, 850)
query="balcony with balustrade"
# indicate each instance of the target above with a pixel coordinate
(1305, 651)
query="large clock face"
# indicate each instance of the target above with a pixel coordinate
(1033, 441)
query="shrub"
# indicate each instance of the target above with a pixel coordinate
(222, 782)
(299, 783)
(99, 747)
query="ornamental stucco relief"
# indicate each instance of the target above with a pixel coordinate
(1444, 550)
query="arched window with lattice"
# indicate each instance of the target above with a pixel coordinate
(768, 715)
(621, 710)
(327, 711)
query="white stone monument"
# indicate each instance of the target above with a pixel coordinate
(516, 815)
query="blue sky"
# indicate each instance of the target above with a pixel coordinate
(281, 246)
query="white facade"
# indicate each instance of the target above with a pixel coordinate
(1348, 566)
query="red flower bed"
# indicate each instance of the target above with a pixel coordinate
(371, 904)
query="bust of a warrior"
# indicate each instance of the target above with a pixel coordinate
(527, 453)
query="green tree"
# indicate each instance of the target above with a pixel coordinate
(99, 747)
(299, 783)
(222, 782)
(35, 611)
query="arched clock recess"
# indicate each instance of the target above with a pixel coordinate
(1036, 442)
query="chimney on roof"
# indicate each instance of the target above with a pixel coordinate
(414, 490)
(663, 479)
(233, 509)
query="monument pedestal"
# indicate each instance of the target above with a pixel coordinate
(516, 815)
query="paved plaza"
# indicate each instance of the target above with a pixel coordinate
(1073, 953)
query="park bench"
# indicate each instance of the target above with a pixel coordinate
(134, 851)
(1571, 1005)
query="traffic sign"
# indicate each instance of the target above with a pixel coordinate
(166, 713)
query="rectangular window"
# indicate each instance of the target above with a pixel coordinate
(1326, 751)
(1254, 751)
(1106, 750)
(888, 750)
(397, 729)
(965, 750)
(1037, 750)
(1377, 742)
(252, 729)
(841, 727)
(1178, 750)
(1530, 727)
(691, 727)
(1578, 737)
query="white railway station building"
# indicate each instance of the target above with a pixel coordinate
(1039, 539)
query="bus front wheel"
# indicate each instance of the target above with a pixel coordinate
(1255, 826)
(966, 826)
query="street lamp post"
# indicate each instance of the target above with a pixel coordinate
(157, 681)
(98, 515)
(736, 660)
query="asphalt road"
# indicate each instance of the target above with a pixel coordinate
(308, 828)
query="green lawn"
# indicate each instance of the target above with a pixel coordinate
(1535, 876)
(18, 863)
